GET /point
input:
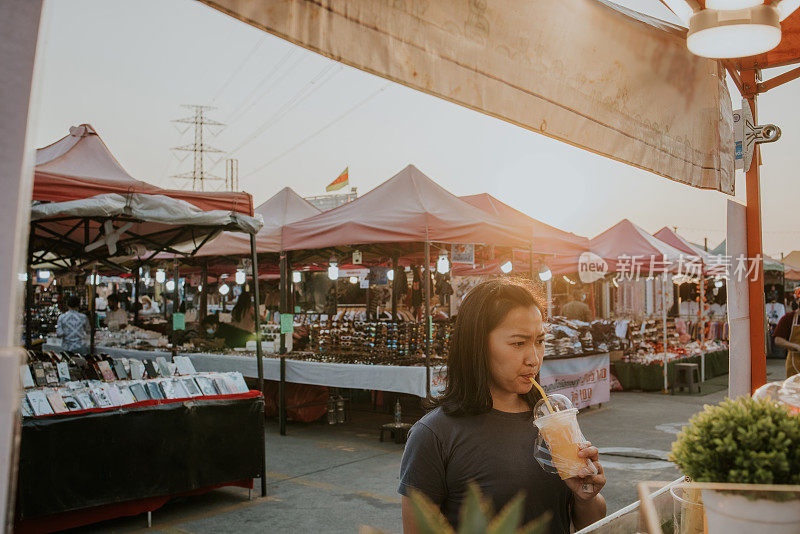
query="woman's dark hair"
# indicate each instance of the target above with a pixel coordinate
(483, 309)
(243, 304)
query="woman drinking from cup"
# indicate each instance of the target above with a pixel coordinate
(481, 429)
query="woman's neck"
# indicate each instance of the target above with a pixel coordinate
(508, 401)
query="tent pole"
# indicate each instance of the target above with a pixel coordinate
(204, 290)
(284, 308)
(427, 318)
(28, 306)
(176, 297)
(394, 293)
(369, 317)
(259, 355)
(93, 308)
(136, 289)
(664, 324)
(755, 284)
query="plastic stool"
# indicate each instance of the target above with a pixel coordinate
(398, 431)
(687, 375)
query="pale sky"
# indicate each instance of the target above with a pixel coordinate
(126, 67)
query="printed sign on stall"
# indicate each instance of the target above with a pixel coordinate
(585, 380)
(287, 323)
(463, 253)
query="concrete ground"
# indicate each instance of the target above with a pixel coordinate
(335, 478)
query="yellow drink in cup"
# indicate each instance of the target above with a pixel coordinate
(559, 427)
(563, 436)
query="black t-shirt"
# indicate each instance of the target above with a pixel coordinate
(495, 450)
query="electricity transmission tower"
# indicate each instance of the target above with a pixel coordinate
(199, 149)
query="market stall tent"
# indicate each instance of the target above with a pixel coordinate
(110, 226)
(546, 239)
(283, 208)
(407, 208)
(627, 244)
(792, 260)
(80, 165)
(768, 263)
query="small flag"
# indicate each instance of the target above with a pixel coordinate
(339, 182)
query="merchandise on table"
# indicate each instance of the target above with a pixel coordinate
(65, 382)
(577, 338)
(130, 337)
(377, 342)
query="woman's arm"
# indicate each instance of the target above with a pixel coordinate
(409, 525)
(588, 506)
(584, 513)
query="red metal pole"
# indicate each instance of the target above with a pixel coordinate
(758, 338)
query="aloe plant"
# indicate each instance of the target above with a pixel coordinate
(476, 516)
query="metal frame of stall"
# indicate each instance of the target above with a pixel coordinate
(68, 261)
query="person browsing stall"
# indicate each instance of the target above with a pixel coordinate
(576, 309)
(787, 335)
(117, 317)
(481, 428)
(73, 327)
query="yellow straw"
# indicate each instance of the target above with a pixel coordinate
(544, 396)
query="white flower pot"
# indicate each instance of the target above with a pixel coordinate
(729, 513)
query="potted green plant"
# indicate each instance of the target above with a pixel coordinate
(744, 441)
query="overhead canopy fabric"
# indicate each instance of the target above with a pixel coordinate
(407, 208)
(114, 228)
(546, 239)
(80, 165)
(626, 244)
(586, 72)
(283, 208)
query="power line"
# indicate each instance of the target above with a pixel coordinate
(307, 90)
(334, 121)
(240, 67)
(239, 112)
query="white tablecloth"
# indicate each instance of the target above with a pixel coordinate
(399, 379)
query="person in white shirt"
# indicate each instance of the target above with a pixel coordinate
(148, 306)
(775, 310)
(116, 318)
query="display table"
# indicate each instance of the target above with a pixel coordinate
(584, 377)
(650, 377)
(77, 468)
(120, 352)
(400, 379)
(585, 380)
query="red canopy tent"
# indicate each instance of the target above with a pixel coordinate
(407, 208)
(626, 242)
(283, 208)
(546, 239)
(80, 165)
